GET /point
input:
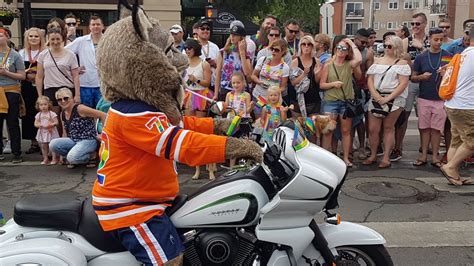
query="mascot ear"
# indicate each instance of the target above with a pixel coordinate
(124, 9)
(141, 23)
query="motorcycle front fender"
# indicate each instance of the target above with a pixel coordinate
(42, 251)
(347, 233)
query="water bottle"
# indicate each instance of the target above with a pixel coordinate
(2, 219)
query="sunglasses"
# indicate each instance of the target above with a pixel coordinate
(276, 50)
(363, 42)
(415, 23)
(293, 31)
(387, 46)
(205, 28)
(342, 48)
(63, 99)
(306, 44)
(72, 24)
(445, 27)
(274, 35)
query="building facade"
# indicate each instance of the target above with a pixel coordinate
(387, 15)
(167, 11)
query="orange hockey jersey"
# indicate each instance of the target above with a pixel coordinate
(136, 177)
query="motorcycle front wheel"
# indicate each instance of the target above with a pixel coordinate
(369, 255)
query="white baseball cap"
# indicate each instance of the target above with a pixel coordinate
(176, 28)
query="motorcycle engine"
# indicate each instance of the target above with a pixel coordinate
(218, 248)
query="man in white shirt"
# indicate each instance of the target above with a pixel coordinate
(460, 111)
(209, 50)
(85, 47)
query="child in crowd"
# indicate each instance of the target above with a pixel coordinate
(273, 113)
(237, 102)
(46, 121)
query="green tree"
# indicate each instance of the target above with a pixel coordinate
(304, 11)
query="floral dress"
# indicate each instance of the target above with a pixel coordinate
(45, 134)
(272, 121)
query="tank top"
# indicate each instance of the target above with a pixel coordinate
(413, 51)
(238, 104)
(198, 72)
(312, 95)
(345, 75)
(77, 127)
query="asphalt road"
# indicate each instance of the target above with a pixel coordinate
(424, 220)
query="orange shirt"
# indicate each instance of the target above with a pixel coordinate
(136, 177)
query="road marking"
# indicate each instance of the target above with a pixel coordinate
(441, 184)
(426, 234)
(27, 163)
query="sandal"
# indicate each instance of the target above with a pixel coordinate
(383, 165)
(437, 164)
(349, 164)
(468, 182)
(419, 162)
(91, 164)
(451, 180)
(369, 161)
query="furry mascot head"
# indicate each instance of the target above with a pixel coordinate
(142, 64)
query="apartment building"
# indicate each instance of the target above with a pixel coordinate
(387, 15)
(167, 11)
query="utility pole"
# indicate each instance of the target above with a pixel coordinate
(27, 18)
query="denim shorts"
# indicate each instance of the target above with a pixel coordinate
(334, 107)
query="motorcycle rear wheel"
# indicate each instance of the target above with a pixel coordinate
(369, 255)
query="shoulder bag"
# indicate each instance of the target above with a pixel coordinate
(52, 57)
(382, 110)
(353, 107)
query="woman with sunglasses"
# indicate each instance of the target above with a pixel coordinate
(310, 67)
(336, 81)
(34, 44)
(232, 58)
(387, 82)
(79, 133)
(197, 79)
(271, 71)
(273, 35)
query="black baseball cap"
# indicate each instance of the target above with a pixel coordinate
(204, 22)
(237, 30)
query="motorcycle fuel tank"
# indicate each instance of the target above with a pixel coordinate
(234, 199)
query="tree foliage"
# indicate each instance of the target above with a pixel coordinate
(304, 11)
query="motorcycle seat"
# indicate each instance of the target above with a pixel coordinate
(178, 201)
(60, 211)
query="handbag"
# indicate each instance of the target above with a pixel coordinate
(353, 107)
(382, 110)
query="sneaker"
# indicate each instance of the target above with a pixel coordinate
(17, 159)
(395, 155)
(379, 151)
(7, 149)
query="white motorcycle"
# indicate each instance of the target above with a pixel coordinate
(259, 215)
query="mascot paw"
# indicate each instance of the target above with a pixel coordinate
(221, 125)
(243, 148)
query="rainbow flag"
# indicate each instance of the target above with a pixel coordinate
(310, 125)
(261, 102)
(446, 59)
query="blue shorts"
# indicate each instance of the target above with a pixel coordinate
(154, 242)
(334, 107)
(90, 96)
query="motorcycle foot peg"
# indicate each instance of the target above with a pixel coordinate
(334, 219)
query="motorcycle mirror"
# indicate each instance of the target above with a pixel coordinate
(217, 107)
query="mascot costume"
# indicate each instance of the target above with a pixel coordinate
(144, 135)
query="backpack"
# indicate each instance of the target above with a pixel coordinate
(448, 83)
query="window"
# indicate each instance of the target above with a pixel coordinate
(411, 4)
(406, 23)
(391, 25)
(351, 28)
(392, 4)
(376, 4)
(355, 9)
(376, 26)
(433, 24)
